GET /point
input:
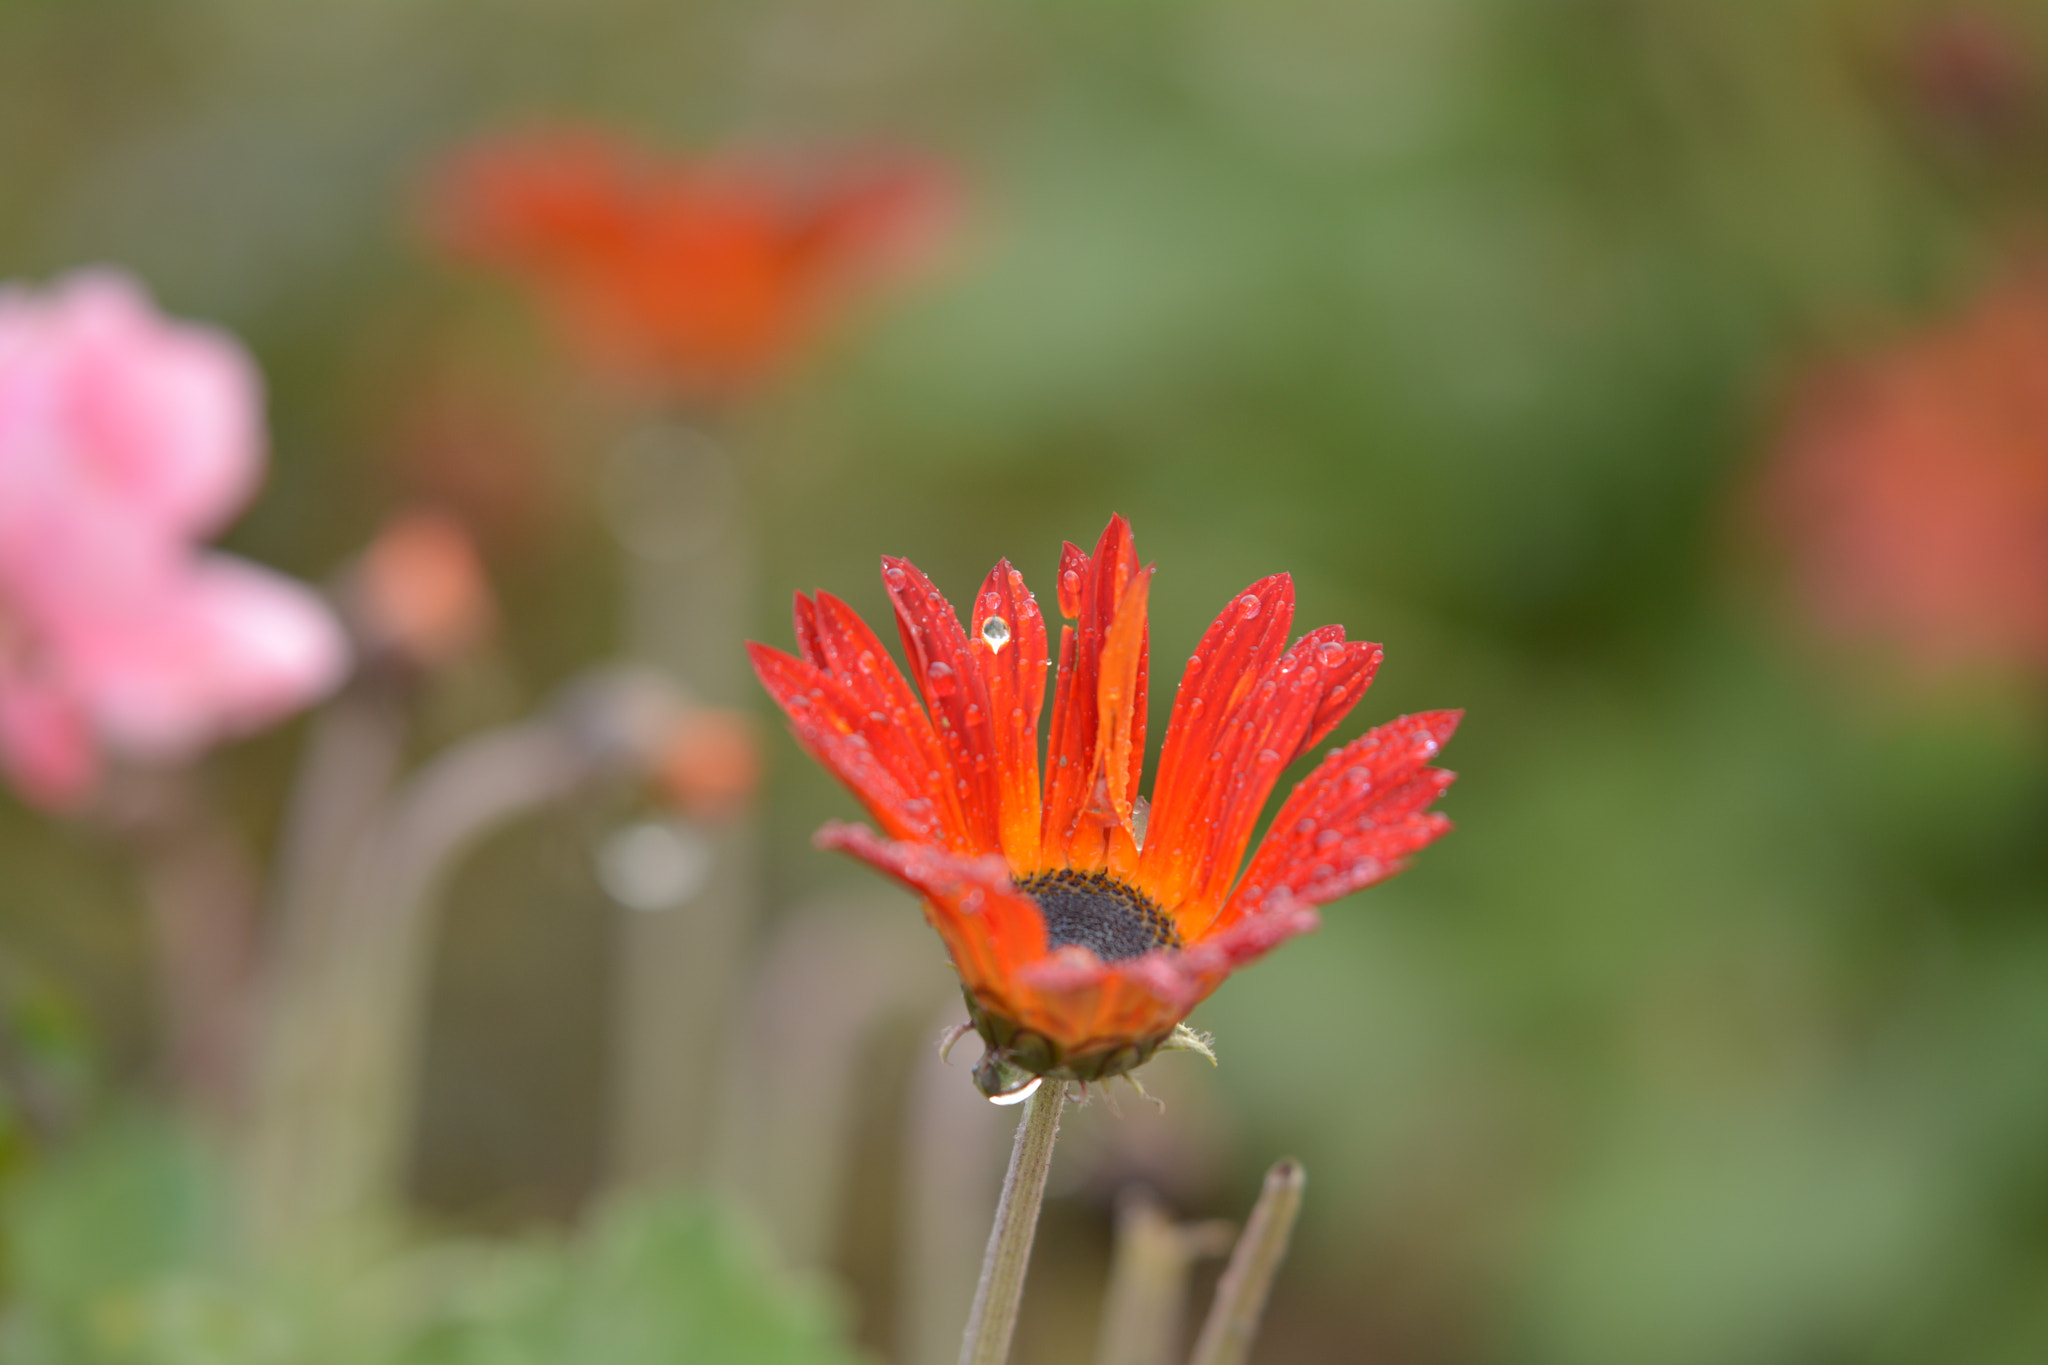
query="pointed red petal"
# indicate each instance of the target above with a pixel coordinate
(1012, 663)
(949, 676)
(990, 928)
(1353, 820)
(807, 631)
(1076, 827)
(1236, 653)
(1120, 703)
(863, 746)
(852, 653)
(1347, 669)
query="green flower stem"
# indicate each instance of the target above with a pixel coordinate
(1241, 1294)
(994, 1316)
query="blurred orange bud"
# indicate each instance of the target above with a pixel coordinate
(711, 764)
(419, 593)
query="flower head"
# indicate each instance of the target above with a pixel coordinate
(1083, 927)
(125, 440)
(1912, 489)
(704, 275)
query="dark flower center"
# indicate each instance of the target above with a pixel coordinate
(1100, 913)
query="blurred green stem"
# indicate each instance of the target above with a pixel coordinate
(994, 1316)
(1241, 1294)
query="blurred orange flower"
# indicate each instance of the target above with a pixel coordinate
(1084, 929)
(419, 594)
(711, 764)
(1912, 487)
(702, 275)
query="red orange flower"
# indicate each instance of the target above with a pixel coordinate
(1084, 931)
(1912, 488)
(703, 275)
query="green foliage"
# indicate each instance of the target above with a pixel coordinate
(124, 1256)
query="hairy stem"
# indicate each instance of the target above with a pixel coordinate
(1241, 1294)
(994, 1316)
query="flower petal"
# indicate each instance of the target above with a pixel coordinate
(47, 750)
(1011, 660)
(949, 676)
(1085, 796)
(862, 744)
(225, 648)
(1347, 668)
(989, 927)
(1216, 701)
(1353, 820)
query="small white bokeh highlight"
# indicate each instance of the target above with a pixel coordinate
(654, 865)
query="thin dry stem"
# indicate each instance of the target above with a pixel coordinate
(1241, 1294)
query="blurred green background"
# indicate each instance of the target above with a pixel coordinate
(1717, 1032)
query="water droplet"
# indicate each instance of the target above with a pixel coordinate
(1215, 755)
(963, 784)
(1360, 778)
(1195, 705)
(1339, 692)
(1248, 605)
(1329, 837)
(1070, 582)
(1304, 826)
(973, 714)
(1268, 756)
(995, 632)
(1331, 653)
(1194, 661)
(939, 677)
(655, 865)
(1021, 1094)
(896, 577)
(866, 661)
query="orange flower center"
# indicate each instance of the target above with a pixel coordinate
(1111, 918)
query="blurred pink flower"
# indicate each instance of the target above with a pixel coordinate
(1912, 488)
(125, 439)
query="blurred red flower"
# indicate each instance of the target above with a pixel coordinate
(125, 440)
(1083, 929)
(703, 275)
(1912, 488)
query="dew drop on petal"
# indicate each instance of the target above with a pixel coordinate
(995, 632)
(895, 576)
(1304, 826)
(1248, 605)
(1269, 756)
(1329, 837)
(1070, 582)
(940, 678)
(1330, 653)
